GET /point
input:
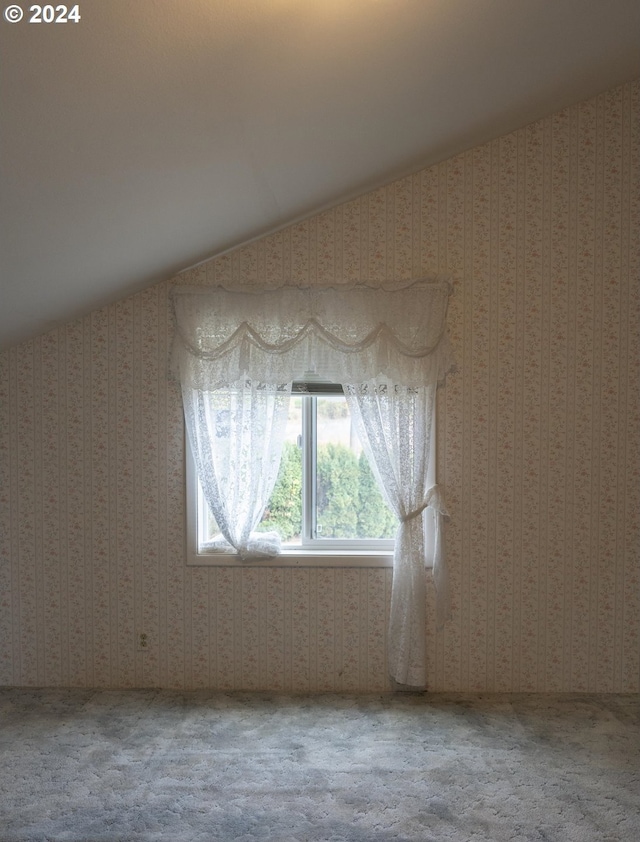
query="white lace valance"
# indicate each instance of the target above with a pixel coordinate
(345, 334)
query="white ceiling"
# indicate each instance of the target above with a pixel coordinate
(154, 134)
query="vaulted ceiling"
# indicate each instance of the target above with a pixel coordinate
(153, 134)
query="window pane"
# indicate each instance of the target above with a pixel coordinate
(348, 502)
(284, 510)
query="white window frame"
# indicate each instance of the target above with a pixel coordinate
(312, 551)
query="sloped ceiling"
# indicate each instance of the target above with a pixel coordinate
(153, 134)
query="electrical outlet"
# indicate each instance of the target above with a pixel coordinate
(143, 641)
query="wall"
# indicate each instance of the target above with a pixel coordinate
(538, 448)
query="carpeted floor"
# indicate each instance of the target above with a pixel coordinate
(99, 766)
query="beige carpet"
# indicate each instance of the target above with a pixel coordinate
(92, 766)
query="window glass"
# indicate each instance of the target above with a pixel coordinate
(284, 510)
(326, 491)
(348, 502)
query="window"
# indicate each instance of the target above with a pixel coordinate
(326, 503)
(236, 353)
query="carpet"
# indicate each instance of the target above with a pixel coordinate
(100, 766)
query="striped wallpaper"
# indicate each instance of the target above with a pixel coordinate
(537, 448)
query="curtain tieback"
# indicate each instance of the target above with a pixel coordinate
(434, 499)
(414, 513)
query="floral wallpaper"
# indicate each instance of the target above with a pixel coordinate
(537, 448)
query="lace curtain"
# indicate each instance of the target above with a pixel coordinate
(236, 436)
(347, 335)
(389, 349)
(396, 425)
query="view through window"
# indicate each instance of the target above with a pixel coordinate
(326, 493)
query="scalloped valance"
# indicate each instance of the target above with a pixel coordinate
(345, 334)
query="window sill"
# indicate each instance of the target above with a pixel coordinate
(299, 557)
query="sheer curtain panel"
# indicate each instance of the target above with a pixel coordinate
(236, 436)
